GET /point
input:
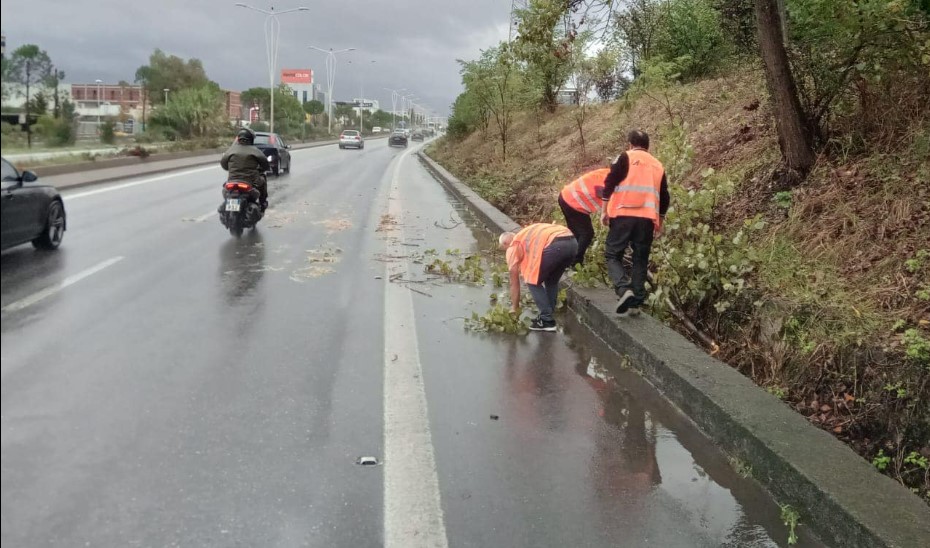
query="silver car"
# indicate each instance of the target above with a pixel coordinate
(351, 138)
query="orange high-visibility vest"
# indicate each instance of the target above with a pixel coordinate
(581, 194)
(638, 194)
(533, 240)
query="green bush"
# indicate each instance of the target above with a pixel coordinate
(691, 34)
(55, 131)
(107, 132)
(13, 136)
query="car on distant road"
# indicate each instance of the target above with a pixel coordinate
(276, 149)
(376, 129)
(351, 138)
(31, 211)
(417, 135)
(398, 139)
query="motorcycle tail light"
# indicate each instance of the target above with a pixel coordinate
(244, 187)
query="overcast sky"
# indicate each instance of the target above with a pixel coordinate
(414, 43)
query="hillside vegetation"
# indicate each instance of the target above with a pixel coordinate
(813, 280)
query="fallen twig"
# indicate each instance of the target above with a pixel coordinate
(454, 222)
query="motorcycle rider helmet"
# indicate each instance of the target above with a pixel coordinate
(245, 136)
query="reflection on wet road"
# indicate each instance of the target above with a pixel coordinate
(207, 391)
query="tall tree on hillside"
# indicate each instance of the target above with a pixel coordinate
(544, 43)
(639, 26)
(171, 72)
(498, 85)
(29, 66)
(54, 81)
(795, 137)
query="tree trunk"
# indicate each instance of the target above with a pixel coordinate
(794, 134)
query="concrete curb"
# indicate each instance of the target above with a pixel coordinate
(837, 493)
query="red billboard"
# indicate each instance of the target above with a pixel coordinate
(297, 76)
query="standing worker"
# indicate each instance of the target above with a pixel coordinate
(540, 253)
(578, 200)
(637, 197)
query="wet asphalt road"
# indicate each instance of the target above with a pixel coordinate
(177, 387)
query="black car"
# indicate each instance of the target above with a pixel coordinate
(276, 149)
(417, 136)
(31, 211)
(398, 139)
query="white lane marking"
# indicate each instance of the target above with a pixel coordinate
(49, 291)
(153, 179)
(171, 175)
(412, 506)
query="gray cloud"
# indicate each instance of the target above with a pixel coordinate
(414, 43)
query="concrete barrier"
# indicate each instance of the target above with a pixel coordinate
(838, 494)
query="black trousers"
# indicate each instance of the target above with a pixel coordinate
(635, 232)
(556, 258)
(580, 225)
(262, 185)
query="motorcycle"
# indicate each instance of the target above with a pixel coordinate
(240, 208)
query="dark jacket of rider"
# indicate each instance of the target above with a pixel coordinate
(245, 163)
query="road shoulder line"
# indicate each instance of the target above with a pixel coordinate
(413, 514)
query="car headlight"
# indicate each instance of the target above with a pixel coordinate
(270, 158)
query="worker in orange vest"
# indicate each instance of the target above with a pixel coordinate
(578, 200)
(539, 253)
(636, 194)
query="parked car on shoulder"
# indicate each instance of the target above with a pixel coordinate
(351, 138)
(31, 211)
(398, 139)
(276, 149)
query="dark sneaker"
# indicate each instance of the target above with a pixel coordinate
(542, 325)
(627, 300)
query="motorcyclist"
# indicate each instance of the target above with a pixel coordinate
(245, 162)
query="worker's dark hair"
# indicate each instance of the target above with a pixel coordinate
(639, 138)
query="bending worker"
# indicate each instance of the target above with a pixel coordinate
(540, 253)
(578, 200)
(637, 197)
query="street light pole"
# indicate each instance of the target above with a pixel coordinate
(361, 100)
(272, 34)
(395, 94)
(330, 80)
(99, 91)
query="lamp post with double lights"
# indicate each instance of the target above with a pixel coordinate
(330, 80)
(272, 34)
(406, 104)
(395, 95)
(361, 93)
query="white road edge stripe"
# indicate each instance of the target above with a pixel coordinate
(49, 291)
(112, 188)
(412, 506)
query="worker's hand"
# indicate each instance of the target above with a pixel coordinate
(605, 220)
